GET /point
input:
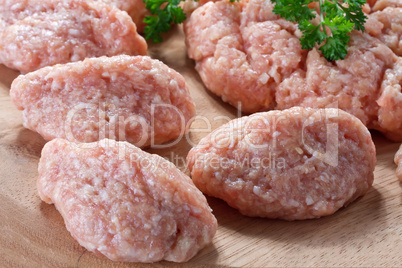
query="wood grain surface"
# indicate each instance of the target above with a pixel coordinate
(367, 233)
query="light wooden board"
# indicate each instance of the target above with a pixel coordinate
(368, 233)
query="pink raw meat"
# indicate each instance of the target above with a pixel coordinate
(248, 55)
(190, 5)
(294, 164)
(133, 98)
(135, 8)
(382, 4)
(352, 84)
(38, 33)
(390, 103)
(242, 51)
(387, 27)
(125, 203)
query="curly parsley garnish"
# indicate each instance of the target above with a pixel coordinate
(162, 18)
(337, 20)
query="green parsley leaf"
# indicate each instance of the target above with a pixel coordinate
(294, 10)
(312, 34)
(337, 20)
(162, 18)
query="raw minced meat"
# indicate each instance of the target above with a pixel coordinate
(390, 103)
(125, 203)
(135, 8)
(133, 98)
(295, 164)
(242, 53)
(253, 60)
(351, 84)
(386, 25)
(38, 33)
(382, 4)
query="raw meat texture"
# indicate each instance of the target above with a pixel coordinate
(295, 164)
(253, 60)
(351, 84)
(190, 5)
(133, 98)
(390, 103)
(398, 161)
(388, 28)
(382, 4)
(125, 203)
(38, 33)
(242, 53)
(135, 8)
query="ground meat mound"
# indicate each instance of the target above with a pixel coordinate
(125, 203)
(132, 98)
(242, 52)
(295, 164)
(38, 33)
(253, 60)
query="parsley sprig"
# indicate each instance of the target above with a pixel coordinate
(164, 14)
(337, 20)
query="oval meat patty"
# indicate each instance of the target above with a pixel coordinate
(125, 203)
(253, 60)
(242, 51)
(38, 33)
(133, 98)
(295, 164)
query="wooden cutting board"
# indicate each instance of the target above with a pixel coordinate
(368, 233)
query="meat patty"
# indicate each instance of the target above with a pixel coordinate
(398, 161)
(135, 8)
(124, 203)
(295, 164)
(242, 51)
(38, 33)
(133, 98)
(253, 60)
